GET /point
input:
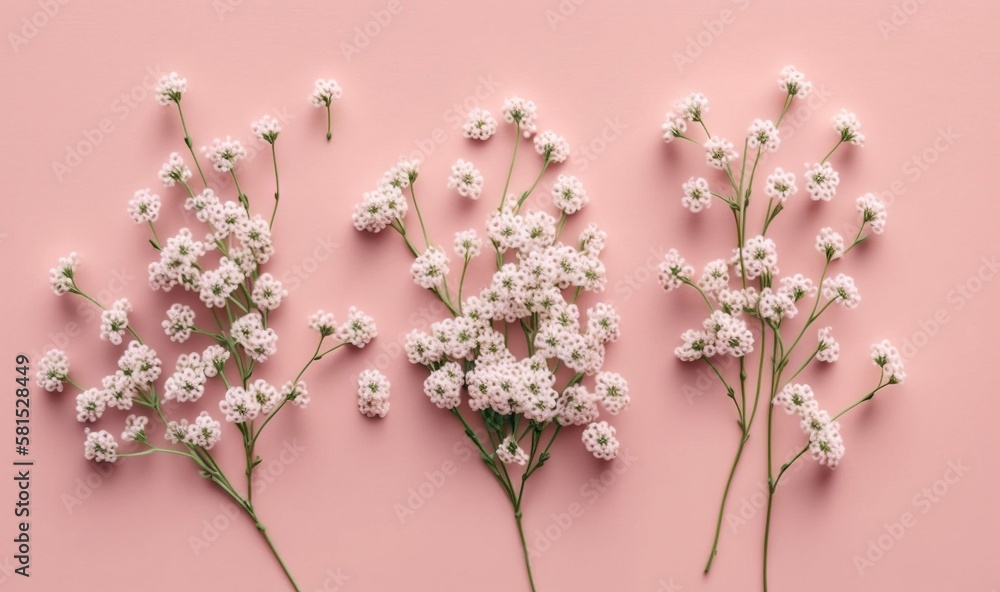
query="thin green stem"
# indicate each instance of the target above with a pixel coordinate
(277, 185)
(189, 144)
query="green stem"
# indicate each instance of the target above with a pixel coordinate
(413, 194)
(510, 170)
(329, 132)
(725, 496)
(832, 150)
(190, 145)
(277, 185)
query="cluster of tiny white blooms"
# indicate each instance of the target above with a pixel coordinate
(719, 152)
(119, 390)
(552, 146)
(170, 89)
(174, 171)
(216, 285)
(144, 207)
(325, 92)
(179, 322)
(568, 194)
(780, 185)
(577, 406)
(849, 127)
(239, 405)
(100, 446)
(296, 393)
(830, 243)
(522, 112)
(759, 257)
(736, 302)
(373, 393)
(479, 125)
(90, 405)
(612, 391)
(730, 334)
(204, 432)
(135, 428)
(468, 244)
(466, 178)
(775, 305)
(61, 276)
(430, 268)
(693, 107)
(825, 443)
(224, 154)
(358, 330)
(214, 358)
(764, 135)
(873, 212)
(794, 82)
(604, 322)
(797, 286)
(322, 322)
(114, 321)
(265, 395)
(821, 181)
(402, 174)
(259, 342)
(887, 357)
(827, 349)
(204, 205)
(796, 398)
(379, 209)
(509, 452)
(697, 195)
(599, 438)
(673, 126)
(268, 292)
(715, 277)
(187, 383)
(842, 289)
(444, 385)
(674, 270)
(140, 364)
(266, 128)
(53, 370)
(255, 234)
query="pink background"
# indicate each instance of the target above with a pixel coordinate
(331, 510)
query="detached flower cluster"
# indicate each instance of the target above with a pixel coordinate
(523, 399)
(749, 306)
(220, 262)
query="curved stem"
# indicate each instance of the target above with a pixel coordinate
(725, 496)
(277, 185)
(524, 548)
(510, 170)
(189, 144)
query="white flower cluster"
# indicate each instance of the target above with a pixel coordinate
(174, 171)
(373, 393)
(466, 179)
(224, 154)
(479, 125)
(114, 321)
(825, 442)
(170, 89)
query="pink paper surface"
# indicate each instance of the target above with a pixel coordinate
(919, 77)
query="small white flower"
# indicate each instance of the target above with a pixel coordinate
(568, 194)
(764, 135)
(479, 125)
(170, 89)
(552, 146)
(239, 405)
(827, 350)
(821, 181)
(380, 208)
(100, 446)
(466, 178)
(224, 154)
(114, 321)
(842, 289)
(266, 129)
(323, 322)
(324, 93)
(873, 212)
(599, 439)
(268, 292)
(796, 398)
(468, 244)
(61, 276)
(719, 153)
(53, 370)
(358, 330)
(758, 257)
(674, 271)
(373, 393)
(444, 385)
(174, 171)
(780, 185)
(430, 269)
(296, 393)
(204, 432)
(849, 127)
(522, 112)
(794, 82)
(673, 126)
(90, 405)
(135, 428)
(402, 174)
(830, 244)
(715, 277)
(693, 107)
(887, 357)
(612, 391)
(509, 452)
(697, 195)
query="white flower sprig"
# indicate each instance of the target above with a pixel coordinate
(222, 263)
(743, 317)
(522, 401)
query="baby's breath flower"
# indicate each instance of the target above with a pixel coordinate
(522, 112)
(61, 276)
(266, 128)
(479, 125)
(887, 357)
(719, 153)
(780, 185)
(843, 290)
(697, 195)
(552, 146)
(599, 439)
(373, 393)
(764, 135)
(674, 271)
(467, 179)
(224, 154)
(509, 452)
(847, 124)
(53, 370)
(174, 171)
(821, 181)
(830, 243)
(794, 82)
(468, 244)
(873, 212)
(324, 93)
(568, 194)
(100, 446)
(170, 89)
